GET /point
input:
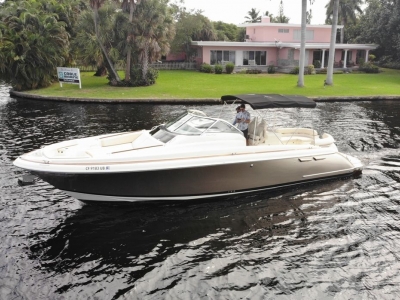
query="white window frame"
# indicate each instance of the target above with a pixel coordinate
(231, 54)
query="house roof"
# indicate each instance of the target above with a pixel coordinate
(285, 45)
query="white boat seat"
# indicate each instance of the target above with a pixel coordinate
(257, 131)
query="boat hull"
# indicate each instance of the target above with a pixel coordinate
(200, 181)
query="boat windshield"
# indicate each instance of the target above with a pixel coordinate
(190, 124)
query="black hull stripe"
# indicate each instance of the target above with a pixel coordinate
(219, 195)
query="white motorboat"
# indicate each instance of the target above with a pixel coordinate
(192, 157)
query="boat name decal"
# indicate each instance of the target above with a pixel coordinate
(98, 168)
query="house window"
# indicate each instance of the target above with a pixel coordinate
(283, 30)
(254, 58)
(297, 35)
(222, 57)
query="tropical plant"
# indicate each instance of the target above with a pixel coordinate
(33, 43)
(347, 13)
(280, 18)
(218, 69)
(369, 67)
(129, 6)
(253, 16)
(295, 70)
(113, 76)
(271, 69)
(229, 67)
(226, 32)
(317, 63)
(206, 68)
(85, 43)
(310, 70)
(153, 29)
(191, 26)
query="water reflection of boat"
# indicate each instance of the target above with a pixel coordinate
(192, 157)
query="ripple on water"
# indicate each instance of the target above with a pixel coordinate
(337, 239)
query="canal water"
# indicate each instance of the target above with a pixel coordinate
(338, 239)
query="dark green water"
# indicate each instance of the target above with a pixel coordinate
(332, 240)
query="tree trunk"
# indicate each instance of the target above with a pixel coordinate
(342, 31)
(129, 40)
(101, 71)
(114, 77)
(300, 82)
(145, 62)
(331, 60)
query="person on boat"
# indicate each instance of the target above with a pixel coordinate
(243, 120)
(238, 110)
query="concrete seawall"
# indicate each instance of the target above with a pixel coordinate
(186, 100)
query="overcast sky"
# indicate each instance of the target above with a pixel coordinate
(234, 11)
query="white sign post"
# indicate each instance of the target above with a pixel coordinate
(69, 75)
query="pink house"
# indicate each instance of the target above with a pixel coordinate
(278, 44)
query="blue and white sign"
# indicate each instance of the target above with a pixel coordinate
(69, 75)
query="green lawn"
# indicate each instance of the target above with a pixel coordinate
(193, 84)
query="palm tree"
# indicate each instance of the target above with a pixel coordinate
(300, 82)
(281, 18)
(346, 14)
(32, 44)
(253, 16)
(129, 6)
(329, 73)
(153, 29)
(114, 77)
(85, 45)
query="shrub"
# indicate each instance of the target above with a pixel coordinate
(371, 57)
(271, 69)
(229, 67)
(206, 68)
(253, 71)
(243, 71)
(218, 69)
(369, 67)
(317, 64)
(137, 76)
(310, 70)
(295, 70)
(388, 62)
(324, 71)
